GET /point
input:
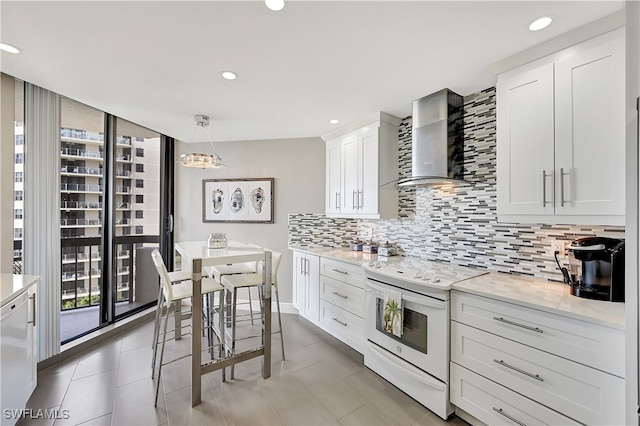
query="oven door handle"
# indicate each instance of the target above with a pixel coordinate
(438, 304)
(397, 362)
(423, 301)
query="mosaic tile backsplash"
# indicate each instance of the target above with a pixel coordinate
(457, 224)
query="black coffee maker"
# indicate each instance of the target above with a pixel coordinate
(596, 268)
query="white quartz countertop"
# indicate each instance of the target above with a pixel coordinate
(544, 295)
(11, 286)
(354, 257)
(525, 291)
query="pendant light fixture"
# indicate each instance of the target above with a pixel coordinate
(197, 160)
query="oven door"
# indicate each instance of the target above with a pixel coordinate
(425, 328)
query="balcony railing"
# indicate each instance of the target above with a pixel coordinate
(80, 187)
(70, 223)
(81, 134)
(81, 153)
(81, 170)
(80, 205)
(81, 285)
(80, 222)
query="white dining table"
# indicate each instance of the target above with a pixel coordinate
(196, 256)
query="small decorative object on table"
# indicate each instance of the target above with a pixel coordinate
(217, 241)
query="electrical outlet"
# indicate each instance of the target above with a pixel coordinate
(369, 232)
(560, 247)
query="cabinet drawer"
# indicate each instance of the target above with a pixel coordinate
(341, 271)
(496, 405)
(342, 324)
(587, 343)
(585, 394)
(343, 295)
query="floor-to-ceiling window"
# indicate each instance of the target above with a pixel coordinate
(137, 212)
(110, 209)
(18, 184)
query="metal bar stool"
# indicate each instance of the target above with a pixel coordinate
(172, 294)
(232, 283)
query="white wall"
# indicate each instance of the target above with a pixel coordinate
(298, 166)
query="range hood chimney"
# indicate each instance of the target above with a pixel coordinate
(437, 140)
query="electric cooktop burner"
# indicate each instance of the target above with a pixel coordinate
(415, 273)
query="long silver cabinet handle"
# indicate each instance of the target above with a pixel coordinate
(344, 324)
(513, 419)
(354, 199)
(526, 373)
(544, 189)
(360, 199)
(562, 187)
(337, 201)
(339, 295)
(527, 327)
(339, 271)
(33, 296)
(306, 266)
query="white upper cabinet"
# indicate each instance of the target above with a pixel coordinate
(333, 189)
(361, 158)
(560, 136)
(525, 141)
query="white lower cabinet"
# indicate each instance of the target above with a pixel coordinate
(342, 301)
(496, 405)
(510, 366)
(330, 294)
(306, 275)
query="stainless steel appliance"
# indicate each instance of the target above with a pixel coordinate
(416, 360)
(437, 139)
(596, 268)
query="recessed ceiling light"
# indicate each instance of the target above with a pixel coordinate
(9, 48)
(540, 23)
(274, 4)
(229, 75)
(334, 121)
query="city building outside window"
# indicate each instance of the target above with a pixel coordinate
(139, 168)
(139, 229)
(139, 152)
(139, 214)
(139, 198)
(139, 183)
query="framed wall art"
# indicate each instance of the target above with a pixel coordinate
(237, 200)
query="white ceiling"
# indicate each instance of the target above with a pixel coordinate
(158, 63)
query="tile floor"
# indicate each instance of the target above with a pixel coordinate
(322, 382)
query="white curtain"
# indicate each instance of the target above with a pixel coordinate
(41, 235)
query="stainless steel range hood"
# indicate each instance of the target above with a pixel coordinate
(437, 143)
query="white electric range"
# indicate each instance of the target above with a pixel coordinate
(413, 356)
